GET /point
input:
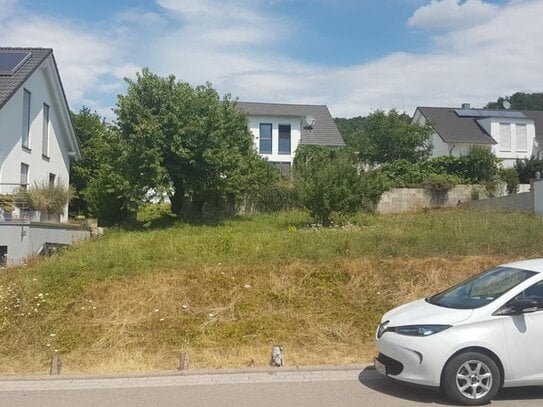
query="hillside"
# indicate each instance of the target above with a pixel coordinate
(132, 300)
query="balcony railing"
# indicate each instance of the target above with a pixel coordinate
(14, 203)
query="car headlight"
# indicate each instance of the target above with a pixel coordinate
(382, 329)
(418, 330)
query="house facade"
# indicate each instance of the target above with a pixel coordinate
(278, 129)
(37, 144)
(510, 134)
(37, 141)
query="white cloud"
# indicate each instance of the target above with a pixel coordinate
(84, 58)
(236, 44)
(6, 8)
(450, 14)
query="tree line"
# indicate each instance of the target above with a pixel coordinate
(187, 143)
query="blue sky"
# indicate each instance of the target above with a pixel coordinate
(354, 55)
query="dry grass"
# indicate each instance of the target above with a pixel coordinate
(229, 316)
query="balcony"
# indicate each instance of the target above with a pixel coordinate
(15, 206)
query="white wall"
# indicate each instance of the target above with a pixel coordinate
(295, 135)
(11, 124)
(509, 157)
(25, 239)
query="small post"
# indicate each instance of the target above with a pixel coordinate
(56, 365)
(184, 360)
(277, 356)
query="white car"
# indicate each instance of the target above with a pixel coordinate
(472, 339)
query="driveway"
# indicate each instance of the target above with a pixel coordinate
(338, 387)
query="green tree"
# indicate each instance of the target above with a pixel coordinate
(90, 130)
(348, 127)
(481, 165)
(187, 141)
(328, 183)
(390, 136)
(519, 101)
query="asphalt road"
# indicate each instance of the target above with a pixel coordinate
(338, 388)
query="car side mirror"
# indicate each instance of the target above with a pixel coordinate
(519, 306)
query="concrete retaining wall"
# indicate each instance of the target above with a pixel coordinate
(523, 202)
(415, 199)
(25, 239)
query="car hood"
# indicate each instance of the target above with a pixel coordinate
(421, 312)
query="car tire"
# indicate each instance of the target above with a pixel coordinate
(471, 379)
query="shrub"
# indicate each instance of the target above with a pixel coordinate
(440, 183)
(274, 198)
(527, 169)
(481, 164)
(329, 183)
(49, 199)
(475, 194)
(511, 179)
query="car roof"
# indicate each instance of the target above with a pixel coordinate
(532, 265)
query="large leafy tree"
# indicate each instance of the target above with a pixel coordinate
(519, 101)
(189, 142)
(386, 137)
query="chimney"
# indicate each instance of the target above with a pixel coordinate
(466, 106)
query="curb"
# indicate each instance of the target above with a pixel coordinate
(193, 372)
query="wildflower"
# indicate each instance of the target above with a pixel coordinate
(210, 315)
(247, 286)
(156, 310)
(161, 319)
(93, 307)
(52, 335)
(48, 345)
(184, 306)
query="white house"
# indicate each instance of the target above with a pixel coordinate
(510, 134)
(37, 141)
(278, 129)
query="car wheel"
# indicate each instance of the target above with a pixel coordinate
(471, 378)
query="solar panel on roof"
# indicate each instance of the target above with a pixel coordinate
(489, 113)
(10, 61)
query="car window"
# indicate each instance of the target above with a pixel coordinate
(535, 292)
(481, 289)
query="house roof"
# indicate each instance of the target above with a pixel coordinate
(537, 117)
(455, 129)
(9, 84)
(324, 132)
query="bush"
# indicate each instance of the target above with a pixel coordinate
(440, 183)
(48, 199)
(274, 198)
(527, 169)
(475, 194)
(481, 165)
(329, 184)
(511, 179)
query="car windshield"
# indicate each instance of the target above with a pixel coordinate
(481, 289)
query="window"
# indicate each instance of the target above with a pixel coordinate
(24, 174)
(52, 179)
(505, 137)
(265, 145)
(284, 139)
(45, 136)
(26, 118)
(522, 137)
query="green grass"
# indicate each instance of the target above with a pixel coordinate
(263, 279)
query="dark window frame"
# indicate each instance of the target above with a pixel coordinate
(45, 131)
(260, 138)
(285, 152)
(27, 103)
